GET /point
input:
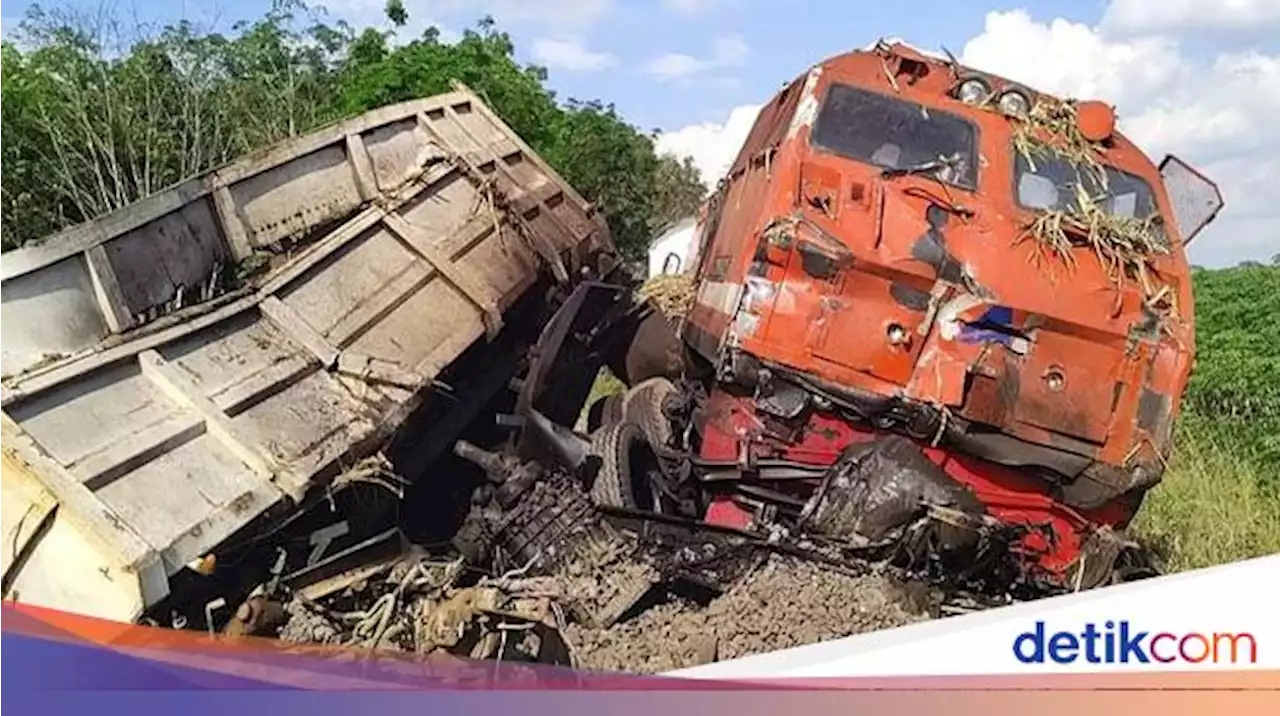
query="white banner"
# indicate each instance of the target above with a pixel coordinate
(1221, 618)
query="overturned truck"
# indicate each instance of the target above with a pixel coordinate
(243, 372)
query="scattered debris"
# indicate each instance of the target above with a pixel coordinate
(540, 521)
(543, 576)
(764, 611)
(418, 606)
(673, 294)
(1051, 127)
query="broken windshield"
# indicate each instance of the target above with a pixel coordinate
(895, 134)
(1049, 182)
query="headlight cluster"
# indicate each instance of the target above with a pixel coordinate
(975, 90)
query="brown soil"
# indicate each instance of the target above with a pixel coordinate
(783, 603)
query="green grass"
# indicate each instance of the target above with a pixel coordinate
(606, 384)
(1220, 500)
(1216, 504)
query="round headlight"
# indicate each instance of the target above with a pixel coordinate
(1015, 103)
(973, 91)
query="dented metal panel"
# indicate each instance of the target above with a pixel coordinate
(420, 223)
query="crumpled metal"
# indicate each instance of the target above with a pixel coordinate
(877, 488)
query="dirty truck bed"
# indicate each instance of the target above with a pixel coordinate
(152, 408)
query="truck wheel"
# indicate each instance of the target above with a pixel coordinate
(605, 412)
(620, 446)
(643, 406)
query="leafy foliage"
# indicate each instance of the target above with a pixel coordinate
(1220, 500)
(93, 123)
(1235, 389)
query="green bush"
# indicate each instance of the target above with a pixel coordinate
(92, 123)
(1220, 500)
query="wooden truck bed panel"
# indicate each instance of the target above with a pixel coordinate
(163, 417)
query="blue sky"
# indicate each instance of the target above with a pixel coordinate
(779, 39)
(1200, 78)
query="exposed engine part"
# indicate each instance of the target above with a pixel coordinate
(421, 605)
(540, 522)
(877, 489)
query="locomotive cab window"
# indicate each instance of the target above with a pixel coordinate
(897, 135)
(1048, 181)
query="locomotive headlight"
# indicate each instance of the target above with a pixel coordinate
(973, 91)
(1015, 103)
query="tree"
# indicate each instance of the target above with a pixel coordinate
(95, 127)
(376, 74)
(396, 12)
(678, 189)
(92, 123)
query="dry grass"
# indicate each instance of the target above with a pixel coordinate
(1050, 127)
(673, 294)
(1214, 506)
(1124, 246)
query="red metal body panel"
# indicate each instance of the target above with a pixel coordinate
(1008, 494)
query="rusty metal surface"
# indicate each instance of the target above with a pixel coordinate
(433, 218)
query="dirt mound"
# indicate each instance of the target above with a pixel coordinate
(783, 603)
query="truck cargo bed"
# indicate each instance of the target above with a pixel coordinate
(163, 408)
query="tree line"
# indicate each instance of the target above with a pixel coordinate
(97, 114)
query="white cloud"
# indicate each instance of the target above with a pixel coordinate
(1169, 15)
(1217, 113)
(726, 51)
(1071, 58)
(674, 65)
(688, 7)
(730, 50)
(570, 55)
(712, 146)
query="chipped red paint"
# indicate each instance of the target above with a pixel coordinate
(1008, 494)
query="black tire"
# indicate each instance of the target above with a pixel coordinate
(616, 444)
(643, 407)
